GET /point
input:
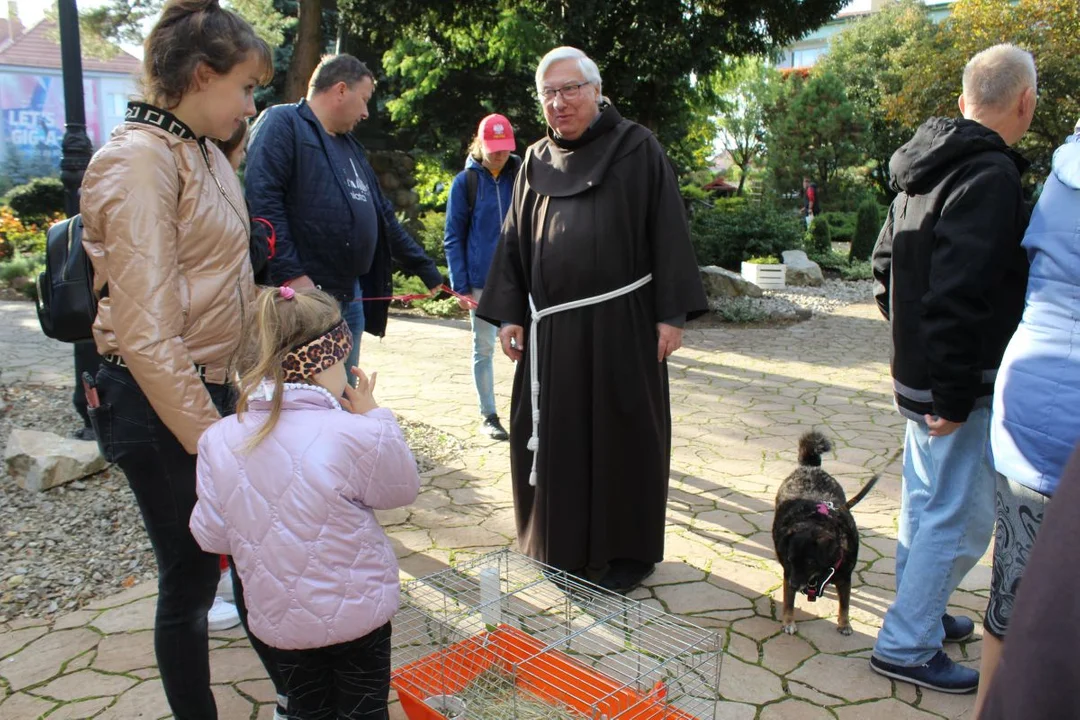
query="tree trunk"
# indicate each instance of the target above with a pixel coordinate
(307, 50)
(742, 181)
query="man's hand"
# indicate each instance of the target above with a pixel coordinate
(516, 333)
(940, 427)
(435, 290)
(464, 303)
(301, 283)
(670, 340)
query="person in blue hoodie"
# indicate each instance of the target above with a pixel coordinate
(1034, 425)
(479, 198)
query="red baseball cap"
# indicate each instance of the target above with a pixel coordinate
(496, 134)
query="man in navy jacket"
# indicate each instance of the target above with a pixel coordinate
(311, 179)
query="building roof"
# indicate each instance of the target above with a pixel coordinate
(38, 48)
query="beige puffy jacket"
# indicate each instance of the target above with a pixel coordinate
(166, 227)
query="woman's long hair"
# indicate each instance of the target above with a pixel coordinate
(279, 326)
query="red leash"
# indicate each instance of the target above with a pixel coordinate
(418, 296)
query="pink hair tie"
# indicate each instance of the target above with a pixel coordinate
(286, 292)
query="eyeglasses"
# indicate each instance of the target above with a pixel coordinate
(568, 92)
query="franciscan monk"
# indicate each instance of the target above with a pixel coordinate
(592, 282)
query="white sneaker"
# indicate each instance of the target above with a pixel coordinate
(222, 616)
(280, 710)
(224, 586)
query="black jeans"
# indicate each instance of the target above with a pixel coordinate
(86, 360)
(161, 474)
(264, 651)
(349, 681)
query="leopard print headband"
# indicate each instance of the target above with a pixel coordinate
(309, 359)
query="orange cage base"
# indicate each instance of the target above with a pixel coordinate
(551, 677)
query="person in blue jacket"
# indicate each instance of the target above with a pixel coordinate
(311, 180)
(1034, 425)
(479, 198)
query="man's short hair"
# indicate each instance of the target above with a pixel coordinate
(338, 68)
(997, 76)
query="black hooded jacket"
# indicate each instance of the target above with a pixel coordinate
(950, 271)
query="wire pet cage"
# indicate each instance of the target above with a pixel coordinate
(504, 636)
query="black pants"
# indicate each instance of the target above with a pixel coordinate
(86, 360)
(161, 474)
(264, 651)
(350, 681)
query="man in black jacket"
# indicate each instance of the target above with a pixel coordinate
(310, 178)
(951, 279)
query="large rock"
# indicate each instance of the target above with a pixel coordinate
(801, 270)
(719, 282)
(41, 460)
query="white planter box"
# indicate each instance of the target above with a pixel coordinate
(766, 277)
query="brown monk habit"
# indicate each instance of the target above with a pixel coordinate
(588, 217)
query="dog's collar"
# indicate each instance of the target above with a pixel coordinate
(825, 507)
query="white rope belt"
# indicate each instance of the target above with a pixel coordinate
(534, 355)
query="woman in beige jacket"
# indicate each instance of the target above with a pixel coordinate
(167, 229)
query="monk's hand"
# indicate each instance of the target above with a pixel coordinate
(512, 338)
(670, 340)
(940, 427)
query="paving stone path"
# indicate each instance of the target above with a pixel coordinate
(740, 399)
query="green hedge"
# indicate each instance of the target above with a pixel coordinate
(841, 225)
(736, 229)
(37, 200)
(819, 237)
(867, 227)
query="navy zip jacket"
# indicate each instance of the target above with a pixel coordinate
(292, 180)
(950, 271)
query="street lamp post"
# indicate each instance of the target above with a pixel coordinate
(76, 148)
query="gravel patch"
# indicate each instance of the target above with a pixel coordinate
(68, 546)
(793, 303)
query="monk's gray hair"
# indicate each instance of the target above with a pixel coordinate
(589, 71)
(996, 77)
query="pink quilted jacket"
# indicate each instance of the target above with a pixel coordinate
(296, 514)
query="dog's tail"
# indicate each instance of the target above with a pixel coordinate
(811, 446)
(862, 493)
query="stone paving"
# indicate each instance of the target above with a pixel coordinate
(740, 399)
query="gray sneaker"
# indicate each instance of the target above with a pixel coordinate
(493, 428)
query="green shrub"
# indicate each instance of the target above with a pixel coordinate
(734, 230)
(37, 200)
(858, 270)
(841, 225)
(430, 236)
(21, 271)
(819, 237)
(866, 231)
(740, 310)
(831, 260)
(411, 285)
(766, 260)
(691, 192)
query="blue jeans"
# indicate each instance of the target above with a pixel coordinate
(352, 311)
(484, 335)
(946, 522)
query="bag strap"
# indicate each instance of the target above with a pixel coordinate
(472, 182)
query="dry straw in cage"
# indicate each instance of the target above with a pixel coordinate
(504, 636)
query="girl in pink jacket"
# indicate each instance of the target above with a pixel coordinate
(288, 486)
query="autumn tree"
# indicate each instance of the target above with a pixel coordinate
(868, 60)
(1047, 28)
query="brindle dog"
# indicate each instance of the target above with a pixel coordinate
(815, 537)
